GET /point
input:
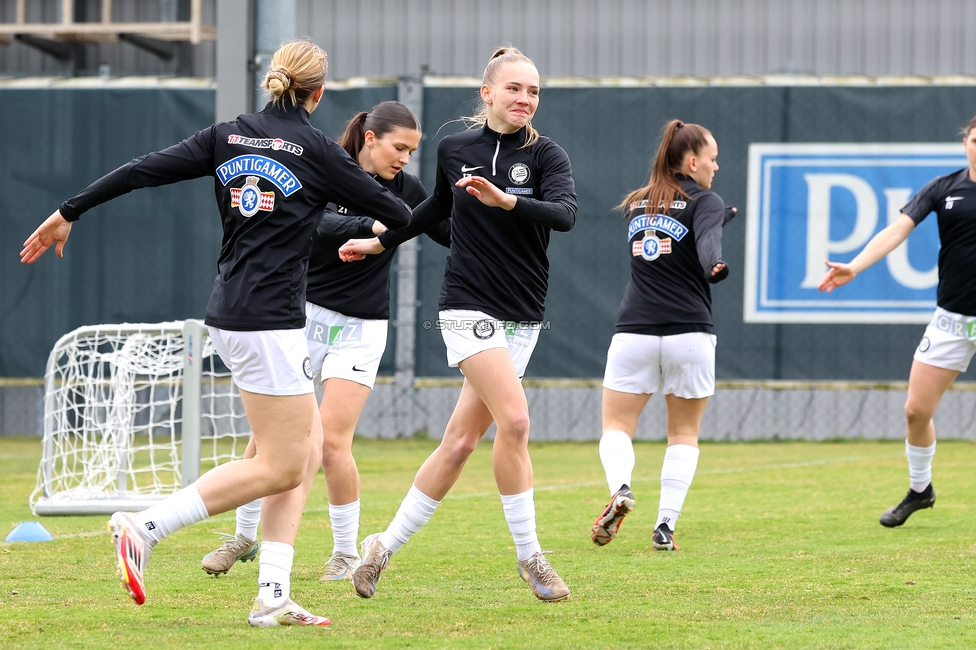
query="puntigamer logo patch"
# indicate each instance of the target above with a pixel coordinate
(266, 168)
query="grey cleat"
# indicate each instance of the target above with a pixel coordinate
(375, 558)
(546, 585)
(341, 566)
(235, 548)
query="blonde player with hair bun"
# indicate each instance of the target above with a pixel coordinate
(272, 171)
(348, 310)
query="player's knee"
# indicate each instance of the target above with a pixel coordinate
(460, 447)
(917, 413)
(288, 475)
(515, 426)
(332, 450)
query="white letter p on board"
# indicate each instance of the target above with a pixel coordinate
(819, 243)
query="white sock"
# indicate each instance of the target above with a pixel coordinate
(919, 465)
(415, 511)
(248, 518)
(274, 572)
(677, 472)
(178, 511)
(520, 514)
(617, 455)
(345, 527)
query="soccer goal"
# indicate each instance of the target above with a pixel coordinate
(132, 413)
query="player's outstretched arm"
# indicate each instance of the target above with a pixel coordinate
(880, 245)
(54, 230)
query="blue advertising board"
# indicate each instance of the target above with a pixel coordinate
(809, 203)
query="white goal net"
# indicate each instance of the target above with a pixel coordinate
(132, 413)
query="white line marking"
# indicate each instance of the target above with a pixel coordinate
(566, 486)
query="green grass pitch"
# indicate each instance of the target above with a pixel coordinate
(780, 548)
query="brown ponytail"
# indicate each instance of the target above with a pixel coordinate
(677, 139)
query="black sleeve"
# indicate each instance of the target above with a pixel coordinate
(923, 203)
(441, 233)
(414, 193)
(433, 210)
(333, 224)
(556, 207)
(707, 224)
(358, 192)
(192, 158)
(426, 216)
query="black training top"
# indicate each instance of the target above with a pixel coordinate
(953, 198)
(671, 264)
(360, 289)
(498, 262)
(272, 173)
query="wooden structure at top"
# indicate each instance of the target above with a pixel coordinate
(107, 30)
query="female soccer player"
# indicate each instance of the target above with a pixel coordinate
(505, 188)
(664, 339)
(348, 309)
(272, 170)
(950, 338)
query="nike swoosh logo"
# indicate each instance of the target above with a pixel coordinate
(355, 369)
(465, 169)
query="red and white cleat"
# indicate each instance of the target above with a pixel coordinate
(132, 552)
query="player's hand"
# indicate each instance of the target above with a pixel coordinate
(357, 249)
(837, 276)
(720, 271)
(481, 189)
(54, 230)
(729, 215)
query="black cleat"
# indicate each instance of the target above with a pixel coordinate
(897, 515)
(663, 539)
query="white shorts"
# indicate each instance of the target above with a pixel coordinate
(682, 365)
(269, 362)
(949, 341)
(344, 347)
(467, 333)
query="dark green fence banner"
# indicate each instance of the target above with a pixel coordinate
(147, 256)
(150, 255)
(611, 136)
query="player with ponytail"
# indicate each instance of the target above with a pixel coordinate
(505, 188)
(664, 340)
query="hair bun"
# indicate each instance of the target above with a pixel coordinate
(283, 77)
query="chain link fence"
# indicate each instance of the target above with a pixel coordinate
(739, 410)
(569, 409)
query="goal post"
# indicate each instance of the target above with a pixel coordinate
(132, 413)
